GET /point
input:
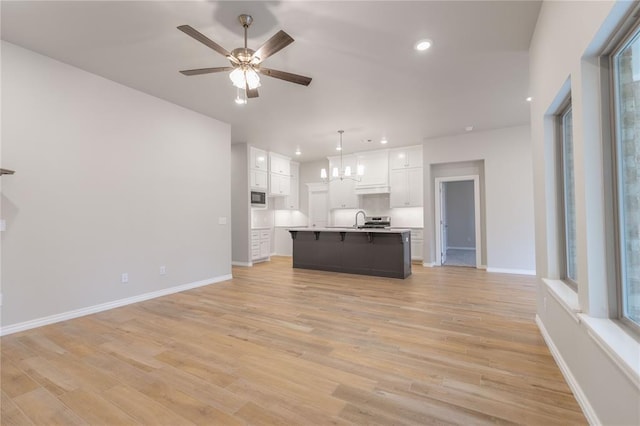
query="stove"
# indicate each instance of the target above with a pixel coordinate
(376, 222)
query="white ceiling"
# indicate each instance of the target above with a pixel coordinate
(367, 78)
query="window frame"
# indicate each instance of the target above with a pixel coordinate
(630, 33)
(563, 240)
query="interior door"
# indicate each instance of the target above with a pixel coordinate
(319, 209)
(443, 223)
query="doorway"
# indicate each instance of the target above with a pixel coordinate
(318, 205)
(457, 221)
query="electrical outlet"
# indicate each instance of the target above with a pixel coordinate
(125, 278)
(163, 270)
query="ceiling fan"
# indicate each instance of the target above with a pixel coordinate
(245, 62)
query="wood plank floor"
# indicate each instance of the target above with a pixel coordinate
(293, 347)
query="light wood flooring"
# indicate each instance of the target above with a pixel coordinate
(293, 347)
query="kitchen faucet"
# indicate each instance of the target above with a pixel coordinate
(355, 225)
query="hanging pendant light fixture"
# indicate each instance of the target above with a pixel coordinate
(342, 173)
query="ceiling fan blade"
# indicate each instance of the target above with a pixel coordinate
(286, 76)
(251, 93)
(190, 31)
(205, 70)
(276, 43)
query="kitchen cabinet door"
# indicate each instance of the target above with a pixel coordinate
(415, 187)
(280, 185)
(258, 159)
(258, 180)
(404, 158)
(279, 164)
(406, 188)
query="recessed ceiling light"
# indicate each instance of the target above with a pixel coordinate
(298, 152)
(338, 148)
(423, 45)
(468, 128)
(529, 99)
(384, 141)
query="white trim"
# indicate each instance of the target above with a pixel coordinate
(623, 349)
(39, 322)
(477, 214)
(565, 295)
(587, 409)
(235, 263)
(512, 271)
(461, 248)
(483, 267)
(428, 264)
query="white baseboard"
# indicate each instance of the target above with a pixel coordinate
(483, 267)
(587, 409)
(234, 263)
(428, 264)
(512, 271)
(39, 322)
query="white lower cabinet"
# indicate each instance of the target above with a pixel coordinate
(260, 244)
(417, 244)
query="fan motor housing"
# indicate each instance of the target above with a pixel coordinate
(243, 54)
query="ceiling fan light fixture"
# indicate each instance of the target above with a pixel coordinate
(423, 45)
(252, 78)
(241, 96)
(237, 78)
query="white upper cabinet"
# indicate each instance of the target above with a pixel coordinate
(279, 174)
(257, 159)
(405, 158)
(374, 166)
(258, 180)
(406, 177)
(291, 201)
(279, 164)
(279, 185)
(406, 188)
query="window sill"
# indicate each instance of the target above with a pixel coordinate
(565, 295)
(617, 343)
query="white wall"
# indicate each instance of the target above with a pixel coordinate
(568, 38)
(240, 205)
(508, 192)
(108, 180)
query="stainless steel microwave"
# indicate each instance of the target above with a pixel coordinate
(258, 198)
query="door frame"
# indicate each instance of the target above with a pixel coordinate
(476, 200)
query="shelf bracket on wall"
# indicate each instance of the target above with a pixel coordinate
(6, 172)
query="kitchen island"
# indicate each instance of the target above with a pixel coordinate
(378, 252)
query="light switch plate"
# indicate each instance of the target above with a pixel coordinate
(222, 220)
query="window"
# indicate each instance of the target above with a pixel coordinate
(567, 202)
(626, 89)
